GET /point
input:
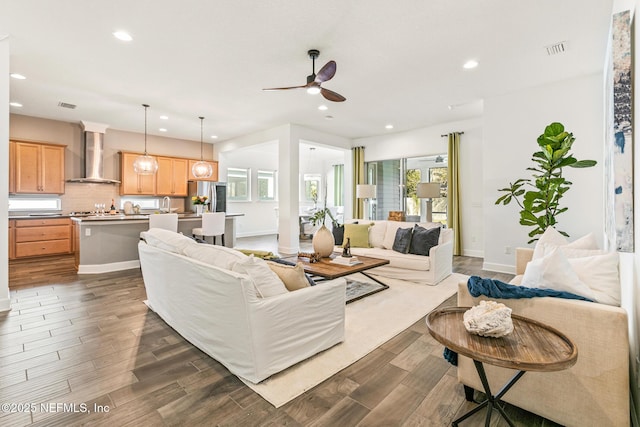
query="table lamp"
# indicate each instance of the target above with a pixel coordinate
(366, 192)
(428, 190)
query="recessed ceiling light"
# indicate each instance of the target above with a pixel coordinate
(323, 108)
(472, 63)
(15, 104)
(123, 35)
(214, 136)
(162, 130)
(17, 76)
(388, 127)
(164, 117)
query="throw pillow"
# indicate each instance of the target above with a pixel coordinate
(267, 282)
(377, 233)
(600, 274)
(358, 233)
(553, 271)
(403, 240)
(338, 234)
(551, 238)
(219, 256)
(293, 264)
(292, 277)
(423, 239)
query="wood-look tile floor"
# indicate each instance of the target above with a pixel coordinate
(85, 350)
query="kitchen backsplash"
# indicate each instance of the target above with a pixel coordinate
(80, 197)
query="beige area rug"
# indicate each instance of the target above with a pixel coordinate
(369, 323)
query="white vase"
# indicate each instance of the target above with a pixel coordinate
(323, 242)
(199, 209)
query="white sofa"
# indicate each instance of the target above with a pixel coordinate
(595, 391)
(428, 270)
(221, 312)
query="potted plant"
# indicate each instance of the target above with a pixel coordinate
(541, 204)
(199, 201)
(323, 240)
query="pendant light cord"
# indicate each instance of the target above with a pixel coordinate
(145, 127)
(201, 142)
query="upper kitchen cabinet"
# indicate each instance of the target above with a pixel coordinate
(214, 175)
(12, 167)
(38, 168)
(172, 177)
(131, 182)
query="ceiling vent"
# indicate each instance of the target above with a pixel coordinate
(66, 105)
(556, 48)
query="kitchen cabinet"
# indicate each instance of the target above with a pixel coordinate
(131, 182)
(37, 237)
(38, 168)
(12, 239)
(214, 175)
(12, 167)
(172, 177)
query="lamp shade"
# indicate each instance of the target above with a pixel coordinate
(428, 190)
(365, 191)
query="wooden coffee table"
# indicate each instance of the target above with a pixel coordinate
(532, 346)
(326, 269)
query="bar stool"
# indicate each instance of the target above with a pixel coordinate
(167, 221)
(212, 225)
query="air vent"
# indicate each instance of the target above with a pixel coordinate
(66, 105)
(556, 48)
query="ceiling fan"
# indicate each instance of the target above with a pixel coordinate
(314, 80)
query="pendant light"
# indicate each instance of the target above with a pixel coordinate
(145, 164)
(201, 169)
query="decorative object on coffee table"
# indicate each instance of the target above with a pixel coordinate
(323, 242)
(312, 256)
(346, 251)
(488, 319)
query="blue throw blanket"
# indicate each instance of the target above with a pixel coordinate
(496, 289)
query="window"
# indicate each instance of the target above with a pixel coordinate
(267, 184)
(338, 185)
(238, 184)
(34, 204)
(413, 178)
(311, 187)
(144, 203)
(439, 204)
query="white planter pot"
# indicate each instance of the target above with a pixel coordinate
(323, 242)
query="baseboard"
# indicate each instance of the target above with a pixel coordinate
(499, 268)
(107, 268)
(256, 234)
(473, 253)
(5, 303)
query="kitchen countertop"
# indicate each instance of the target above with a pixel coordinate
(108, 217)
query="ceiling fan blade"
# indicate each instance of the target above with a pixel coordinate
(285, 88)
(332, 96)
(327, 72)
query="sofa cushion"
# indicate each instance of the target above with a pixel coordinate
(600, 274)
(358, 235)
(396, 259)
(293, 277)
(267, 282)
(423, 240)
(218, 256)
(553, 271)
(403, 240)
(376, 234)
(552, 238)
(167, 240)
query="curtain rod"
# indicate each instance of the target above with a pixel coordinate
(446, 134)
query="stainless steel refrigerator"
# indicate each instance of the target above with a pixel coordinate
(216, 193)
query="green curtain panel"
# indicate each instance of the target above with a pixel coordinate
(338, 185)
(358, 178)
(453, 192)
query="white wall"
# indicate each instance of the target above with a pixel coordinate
(4, 177)
(512, 123)
(428, 141)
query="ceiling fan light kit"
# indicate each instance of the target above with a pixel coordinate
(314, 81)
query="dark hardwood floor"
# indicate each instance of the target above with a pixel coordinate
(85, 350)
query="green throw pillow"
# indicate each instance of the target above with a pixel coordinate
(359, 235)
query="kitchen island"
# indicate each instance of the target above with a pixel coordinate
(105, 243)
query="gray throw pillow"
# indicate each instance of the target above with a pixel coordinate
(403, 240)
(423, 240)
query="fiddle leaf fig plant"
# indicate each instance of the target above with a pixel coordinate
(539, 196)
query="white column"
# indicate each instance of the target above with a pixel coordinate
(4, 177)
(288, 190)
